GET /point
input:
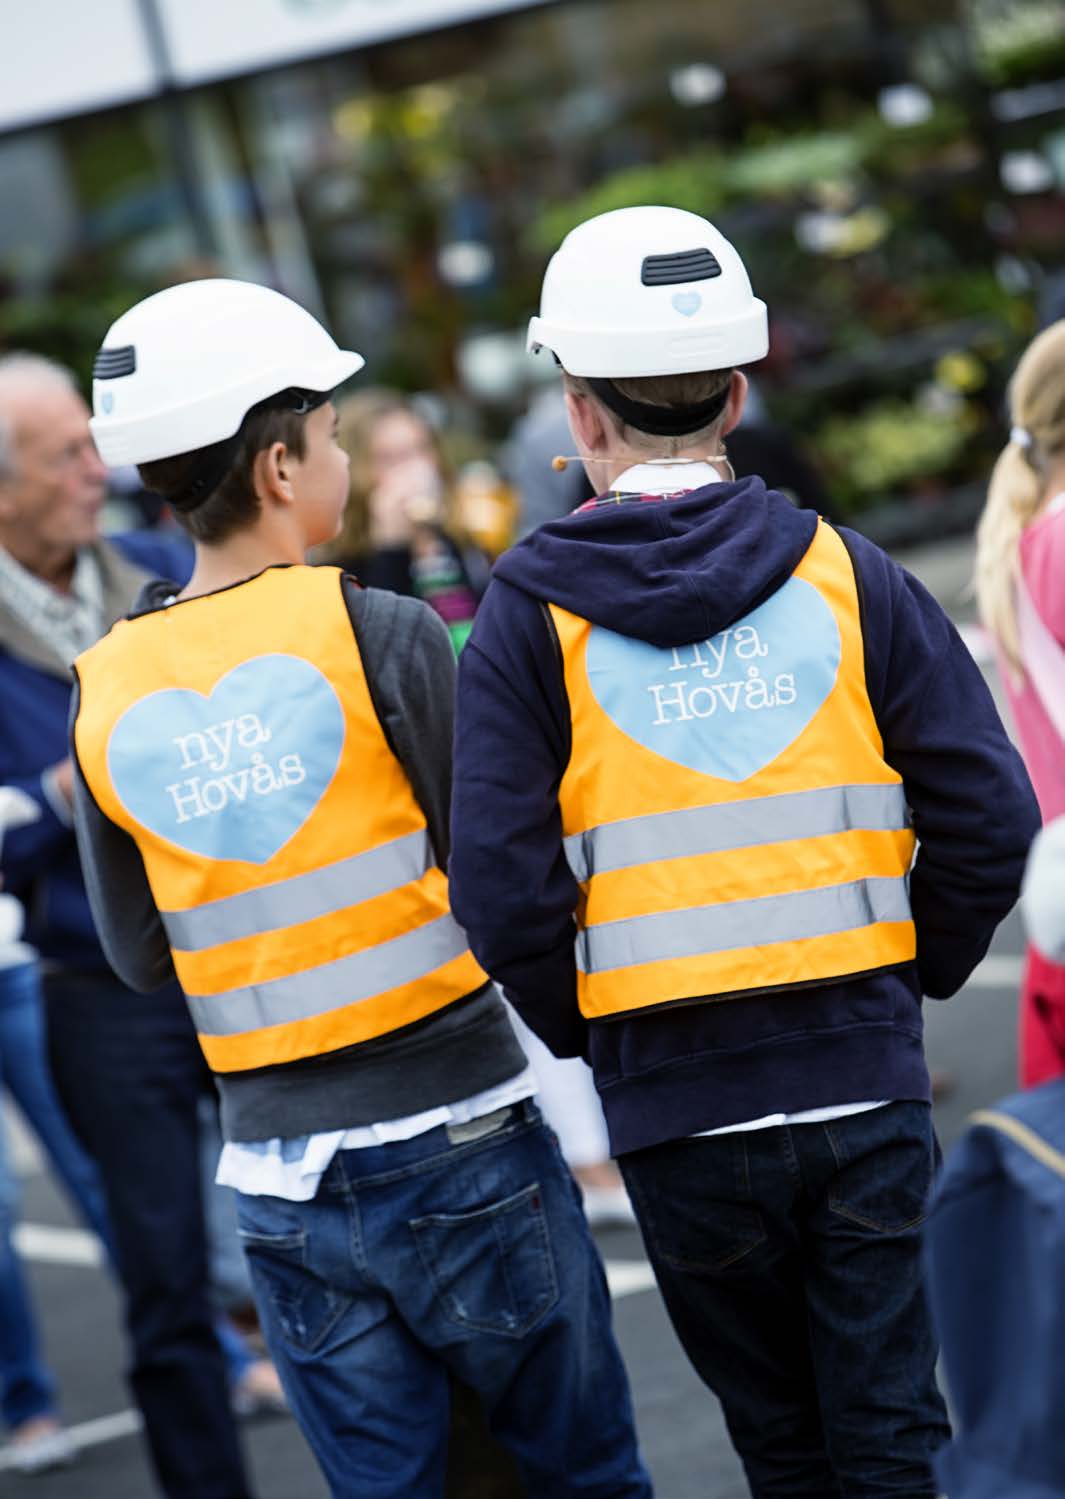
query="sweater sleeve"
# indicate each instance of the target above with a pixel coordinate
(123, 907)
(410, 671)
(511, 886)
(974, 811)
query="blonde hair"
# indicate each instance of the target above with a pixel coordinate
(357, 417)
(1018, 483)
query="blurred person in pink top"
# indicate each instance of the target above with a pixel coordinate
(1020, 585)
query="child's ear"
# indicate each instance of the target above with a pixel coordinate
(586, 423)
(737, 397)
(270, 473)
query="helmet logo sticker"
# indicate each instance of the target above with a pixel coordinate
(730, 705)
(107, 402)
(236, 772)
(687, 302)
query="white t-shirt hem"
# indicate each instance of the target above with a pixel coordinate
(804, 1116)
(292, 1169)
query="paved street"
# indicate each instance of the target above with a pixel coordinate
(681, 1430)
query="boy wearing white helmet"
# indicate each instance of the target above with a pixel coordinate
(697, 732)
(262, 771)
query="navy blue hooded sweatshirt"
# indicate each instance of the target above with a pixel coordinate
(671, 572)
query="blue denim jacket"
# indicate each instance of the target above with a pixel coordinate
(996, 1267)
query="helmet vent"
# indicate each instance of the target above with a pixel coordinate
(684, 265)
(110, 364)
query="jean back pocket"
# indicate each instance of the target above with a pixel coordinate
(305, 1307)
(492, 1269)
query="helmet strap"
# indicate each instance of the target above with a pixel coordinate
(659, 421)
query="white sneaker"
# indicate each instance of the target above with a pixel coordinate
(40, 1450)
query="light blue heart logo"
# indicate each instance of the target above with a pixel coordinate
(730, 705)
(107, 403)
(687, 303)
(234, 774)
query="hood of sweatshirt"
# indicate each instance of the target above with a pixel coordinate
(668, 571)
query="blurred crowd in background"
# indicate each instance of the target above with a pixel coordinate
(893, 171)
(894, 174)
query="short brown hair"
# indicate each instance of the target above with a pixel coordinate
(232, 505)
(661, 390)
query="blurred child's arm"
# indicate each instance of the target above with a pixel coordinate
(1043, 896)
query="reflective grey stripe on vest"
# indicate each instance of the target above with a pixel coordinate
(345, 981)
(727, 825)
(706, 930)
(302, 898)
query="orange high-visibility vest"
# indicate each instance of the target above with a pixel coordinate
(727, 808)
(234, 738)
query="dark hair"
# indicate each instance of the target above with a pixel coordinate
(231, 504)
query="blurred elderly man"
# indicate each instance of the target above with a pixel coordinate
(128, 1069)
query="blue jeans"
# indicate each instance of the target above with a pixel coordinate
(790, 1263)
(27, 1389)
(465, 1250)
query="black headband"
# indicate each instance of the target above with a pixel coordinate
(218, 458)
(660, 421)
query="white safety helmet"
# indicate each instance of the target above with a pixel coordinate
(180, 370)
(648, 291)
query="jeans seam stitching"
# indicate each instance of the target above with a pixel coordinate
(876, 1224)
(359, 1257)
(703, 1266)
